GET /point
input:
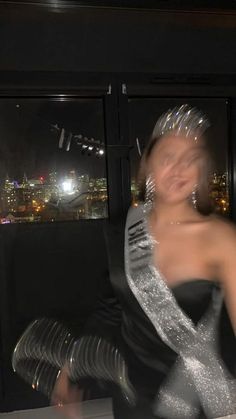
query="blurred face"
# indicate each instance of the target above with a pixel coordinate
(175, 165)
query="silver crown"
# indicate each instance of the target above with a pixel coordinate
(182, 120)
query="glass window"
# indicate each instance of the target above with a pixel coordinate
(52, 160)
(143, 113)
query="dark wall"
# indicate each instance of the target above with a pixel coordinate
(112, 40)
(52, 270)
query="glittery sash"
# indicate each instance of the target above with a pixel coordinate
(198, 377)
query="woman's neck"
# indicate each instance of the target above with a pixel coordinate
(165, 214)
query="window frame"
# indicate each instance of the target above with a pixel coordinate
(200, 90)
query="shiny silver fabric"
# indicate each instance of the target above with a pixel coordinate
(47, 345)
(182, 120)
(96, 357)
(40, 353)
(150, 190)
(198, 377)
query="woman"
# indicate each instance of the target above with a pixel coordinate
(178, 256)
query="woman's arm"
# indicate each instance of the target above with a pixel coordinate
(105, 320)
(226, 255)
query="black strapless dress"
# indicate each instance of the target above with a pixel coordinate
(149, 358)
(121, 317)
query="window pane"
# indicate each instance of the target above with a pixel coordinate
(143, 113)
(52, 160)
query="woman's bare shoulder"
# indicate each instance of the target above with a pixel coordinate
(221, 230)
(220, 245)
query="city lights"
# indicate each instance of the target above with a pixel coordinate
(51, 197)
(73, 196)
(67, 186)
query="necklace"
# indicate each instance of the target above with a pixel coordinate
(174, 222)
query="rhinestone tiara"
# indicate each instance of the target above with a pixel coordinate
(182, 120)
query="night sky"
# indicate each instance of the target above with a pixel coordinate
(29, 142)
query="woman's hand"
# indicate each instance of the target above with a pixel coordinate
(66, 396)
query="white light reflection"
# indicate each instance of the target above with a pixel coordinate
(67, 186)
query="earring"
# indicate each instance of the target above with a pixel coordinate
(194, 197)
(150, 190)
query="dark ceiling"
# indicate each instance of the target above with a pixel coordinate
(184, 5)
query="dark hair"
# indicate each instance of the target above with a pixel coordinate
(204, 202)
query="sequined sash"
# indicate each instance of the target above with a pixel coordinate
(198, 376)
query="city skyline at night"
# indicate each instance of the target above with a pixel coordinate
(54, 197)
(73, 197)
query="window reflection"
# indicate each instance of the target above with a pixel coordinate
(52, 160)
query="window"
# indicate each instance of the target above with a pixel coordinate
(52, 159)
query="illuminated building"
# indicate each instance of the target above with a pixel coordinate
(9, 199)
